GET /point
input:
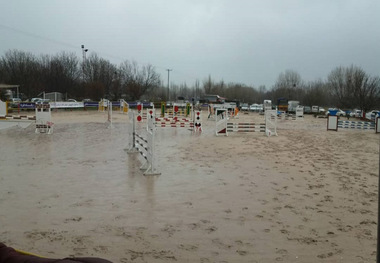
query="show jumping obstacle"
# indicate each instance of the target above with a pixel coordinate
(232, 110)
(102, 105)
(333, 124)
(109, 115)
(144, 145)
(177, 110)
(5, 116)
(293, 117)
(223, 126)
(179, 122)
(43, 118)
(124, 106)
(141, 115)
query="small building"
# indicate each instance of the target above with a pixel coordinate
(8, 90)
(52, 96)
(213, 99)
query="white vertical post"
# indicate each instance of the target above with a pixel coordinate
(109, 106)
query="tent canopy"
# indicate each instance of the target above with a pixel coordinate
(6, 86)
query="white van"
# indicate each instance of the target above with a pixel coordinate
(267, 104)
(314, 109)
(292, 105)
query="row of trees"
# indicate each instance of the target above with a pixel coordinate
(344, 87)
(95, 78)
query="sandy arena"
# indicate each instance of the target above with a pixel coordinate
(307, 195)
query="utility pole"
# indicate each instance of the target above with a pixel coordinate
(168, 84)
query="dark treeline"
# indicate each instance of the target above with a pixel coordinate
(96, 78)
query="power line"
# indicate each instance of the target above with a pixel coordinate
(38, 36)
(76, 47)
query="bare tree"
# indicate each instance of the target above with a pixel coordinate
(61, 73)
(100, 71)
(337, 87)
(21, 68)
(316, 93)
(288, 85)
(352, 87)
(138, 81)
(367, 93)
(207, 85)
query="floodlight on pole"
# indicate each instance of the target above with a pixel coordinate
(84, 51)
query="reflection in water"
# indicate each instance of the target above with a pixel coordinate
(136, 178)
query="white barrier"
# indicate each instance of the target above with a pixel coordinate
(245, 127)
(333, 124)
(197, 121)
(109, 114)
(271, 122)
(103, 103)
(223, 126)
(144, 145)
(221, 122)
(178, 122)
(3, 108)
(145, 113)
(43, 118)
(124, 106)
(299, 113)
(232, 110)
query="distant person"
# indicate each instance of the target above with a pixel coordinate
(221, 113)
(210, 110)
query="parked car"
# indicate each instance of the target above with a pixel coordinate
(15, 100)
(71, 100)
(307, 109)
(42, 101)
(339, 112)
(372, 114)
(35, 99)
(356, 113)
(244, 106)
(254, 107)
(13, 103)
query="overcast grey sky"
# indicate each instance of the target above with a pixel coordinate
(249, 42)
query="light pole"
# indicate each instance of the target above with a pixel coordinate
(84, 51)
(168, 84)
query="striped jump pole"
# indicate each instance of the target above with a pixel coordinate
(144, 145)
(362, 125)
(245, 127)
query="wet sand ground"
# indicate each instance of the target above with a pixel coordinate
(307, 195)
